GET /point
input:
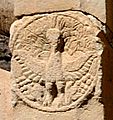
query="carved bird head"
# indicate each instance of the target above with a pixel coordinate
(53, 35)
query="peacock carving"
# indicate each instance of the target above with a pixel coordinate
(58, 57)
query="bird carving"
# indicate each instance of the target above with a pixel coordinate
(58, 69)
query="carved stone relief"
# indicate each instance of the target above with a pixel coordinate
(56, 60)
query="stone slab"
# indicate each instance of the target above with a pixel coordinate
(92, 111)
(56, 67)
(95, 7)
(5, 96)
(27, 7)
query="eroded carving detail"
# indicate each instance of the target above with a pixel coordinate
(57, 57)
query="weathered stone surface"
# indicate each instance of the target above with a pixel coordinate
(5, 55)
(92, 111)
(5, 96)
(6, 15)
(6, 19)
(56, 63)
(26, 7)
(95, 7)
(40, 6)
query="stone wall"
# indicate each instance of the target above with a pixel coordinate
(6, 19)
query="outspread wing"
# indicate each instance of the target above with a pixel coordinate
(29, 84)
(80, 76)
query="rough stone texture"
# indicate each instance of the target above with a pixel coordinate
(6, 19)
(6, 16)
(5, 55)
(94, 7)
(56, 66)
(5, 96)
(93, 111)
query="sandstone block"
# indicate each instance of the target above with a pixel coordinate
(27, 7)
(5, 96)
(56, 66)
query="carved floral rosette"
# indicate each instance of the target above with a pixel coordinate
(56, 60)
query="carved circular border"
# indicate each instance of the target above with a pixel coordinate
(33, 104)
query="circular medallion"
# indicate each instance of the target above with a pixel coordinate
(58, 59)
